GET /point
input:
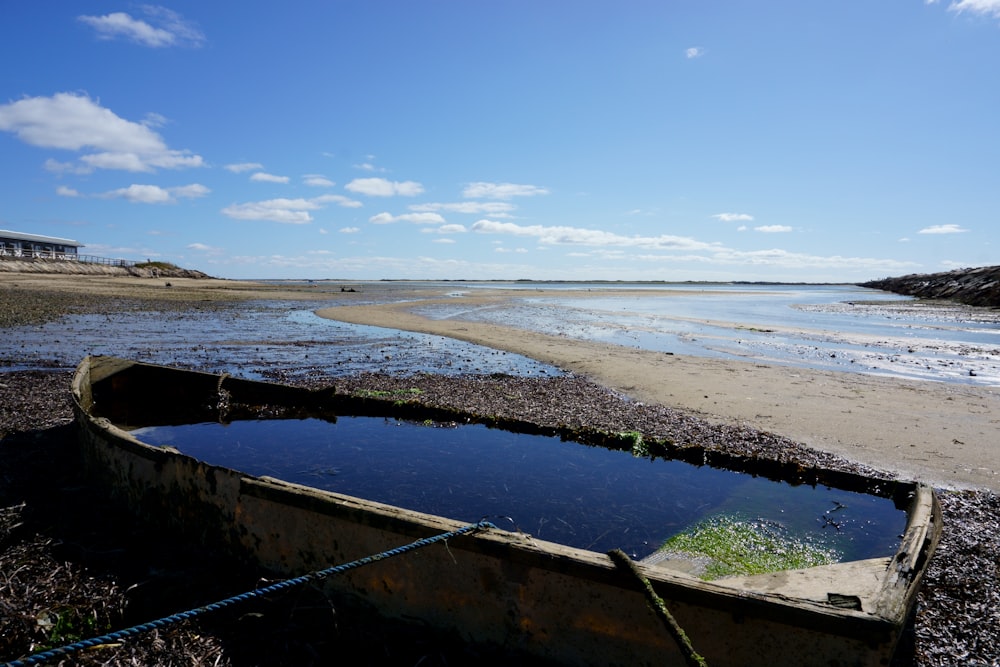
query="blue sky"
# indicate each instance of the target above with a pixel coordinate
(683, 140)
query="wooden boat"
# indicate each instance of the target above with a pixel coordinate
(490, 587)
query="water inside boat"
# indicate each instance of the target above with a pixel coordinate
(557, 490)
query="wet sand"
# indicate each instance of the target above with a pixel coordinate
(954, 623)
(939, 433)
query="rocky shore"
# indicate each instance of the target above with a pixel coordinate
(975, 287)
(75, 566)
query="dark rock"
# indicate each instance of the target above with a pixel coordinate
(974, 287)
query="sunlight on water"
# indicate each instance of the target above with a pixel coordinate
(840, 328)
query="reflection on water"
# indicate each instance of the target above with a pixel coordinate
(840, 328)
(249, 339)
(565, 492)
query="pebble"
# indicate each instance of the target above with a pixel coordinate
(957, 605)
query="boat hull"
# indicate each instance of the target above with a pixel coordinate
(489, 587)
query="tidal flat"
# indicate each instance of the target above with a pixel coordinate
(82, 559)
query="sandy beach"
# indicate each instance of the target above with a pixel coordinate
(935, 432)
(940, 433)
(931, 431)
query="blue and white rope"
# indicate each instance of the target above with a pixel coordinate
(118, 635)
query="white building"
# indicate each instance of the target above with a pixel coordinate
(31, 246)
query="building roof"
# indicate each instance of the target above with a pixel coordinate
(38, 238)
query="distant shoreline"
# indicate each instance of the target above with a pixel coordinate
(936, 432)
(530, 281)
(943, 434)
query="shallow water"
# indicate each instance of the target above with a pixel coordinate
(248, 340)
(840, 328)
(587, 497)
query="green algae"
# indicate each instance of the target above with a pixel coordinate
(731, 546)
(634, 441)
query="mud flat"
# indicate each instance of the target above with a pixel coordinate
(57, 555)
(939, 433)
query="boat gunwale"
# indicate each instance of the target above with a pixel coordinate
(898, 588)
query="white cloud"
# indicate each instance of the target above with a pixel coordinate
(120, 24)
(628, 264)
(942, 229)
(784, 259)
(73, 122)
(381, 219)
(733, 217)
(447, 229)
(164, 28)
(482, 190)
(190, 191)
(444, 240)
(380, 187)
(773, 229)
(560, 235)
(340, 200)
(141, 194)
(138, 162)
(154, 119)
(694, 52)
(495, 208)
(349, 230)
(63, 191)
(674, 250)
(421, 218)
(418, 218)
(289, 211)
(240, 167)
(318, 181)
(985, 7)
(154, 194)
(263, 177)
